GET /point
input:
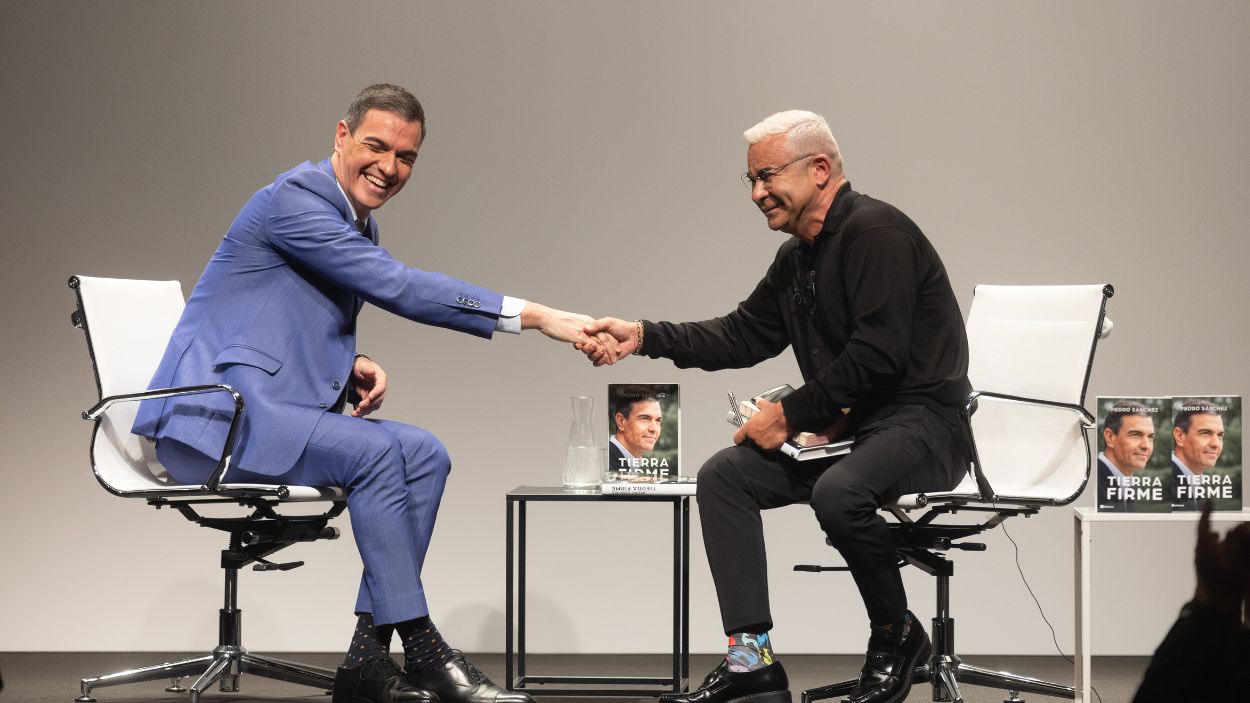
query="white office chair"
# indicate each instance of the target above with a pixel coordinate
(127, 325)
(1031, 349)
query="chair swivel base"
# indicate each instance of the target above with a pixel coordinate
(225, 664)
(946, 672)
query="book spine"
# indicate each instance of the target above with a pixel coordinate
(640, 489)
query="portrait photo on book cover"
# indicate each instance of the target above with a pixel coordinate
(1134, 471)
(644, 428)
(1206, 452)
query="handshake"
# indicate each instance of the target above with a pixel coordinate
(604, 341)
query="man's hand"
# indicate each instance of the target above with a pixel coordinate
(767, 429)
(613, 340)
(1222, 566)
(369, 382)
(557, 324)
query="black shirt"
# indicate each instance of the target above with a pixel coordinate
(867, 307)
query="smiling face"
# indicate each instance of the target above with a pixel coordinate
(374, 163)
(1131, 448)
(791, 197)
(1201, 446)
(641, 430)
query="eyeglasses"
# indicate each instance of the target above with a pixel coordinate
(766, 174)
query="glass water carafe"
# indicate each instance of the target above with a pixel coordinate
(581, 459)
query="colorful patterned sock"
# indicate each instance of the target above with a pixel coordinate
(749, 651)
(424, 647)
(367, 642)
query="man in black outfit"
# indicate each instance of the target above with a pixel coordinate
(863, 299)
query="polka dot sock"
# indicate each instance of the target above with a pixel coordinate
(424, 647)
(368, 642)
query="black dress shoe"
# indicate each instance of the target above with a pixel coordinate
(767, 685)
(458, 681)
(886, 676)
(377, 681)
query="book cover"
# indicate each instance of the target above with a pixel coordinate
(1206, 452)
(644, 429)
(624, 483)
(1134, 455)
(803, 446)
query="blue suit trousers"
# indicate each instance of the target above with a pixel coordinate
(394, 475)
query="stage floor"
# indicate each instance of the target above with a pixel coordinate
(52, 677)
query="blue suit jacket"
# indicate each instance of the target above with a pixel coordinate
(274, 316)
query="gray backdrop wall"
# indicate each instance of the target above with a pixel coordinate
(586, 155)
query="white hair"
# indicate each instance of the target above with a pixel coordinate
(805, 132)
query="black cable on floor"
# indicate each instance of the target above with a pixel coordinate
(1053, 636)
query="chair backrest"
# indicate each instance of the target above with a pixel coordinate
(127, 324)
(1034, 342)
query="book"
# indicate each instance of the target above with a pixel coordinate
(615, 484)
(644, 430)
(1134, 455)
(1206, 452)
(803, 446)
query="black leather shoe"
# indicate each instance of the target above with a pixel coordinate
(886, 676)
(377, 681)
(767, 685)
(458, 681)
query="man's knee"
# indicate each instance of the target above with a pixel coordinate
(718, 473)
(839, 503)
(421, 448)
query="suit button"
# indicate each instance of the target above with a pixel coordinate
(336, 385)
(460, 299)
(321, 405)
(815, 351)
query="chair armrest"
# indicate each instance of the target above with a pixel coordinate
(1088, 422)
(95, 411)
(970, 405)
(223, 463)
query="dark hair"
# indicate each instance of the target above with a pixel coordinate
(1190, 408)
(385, 96)
(626, 398)
(1115, 416)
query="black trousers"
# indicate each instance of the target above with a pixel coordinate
(900, 449)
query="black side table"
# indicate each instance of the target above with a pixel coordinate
(626, 686)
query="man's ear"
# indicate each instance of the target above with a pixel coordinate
(619, 419)
(341, 133)
(824, 169)
(1177, 435)
(1107, 434)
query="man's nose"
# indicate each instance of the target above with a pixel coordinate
(759, 191)
(387, 164)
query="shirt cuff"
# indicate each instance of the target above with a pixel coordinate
(510, 315)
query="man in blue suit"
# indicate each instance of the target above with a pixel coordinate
(274, 315)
